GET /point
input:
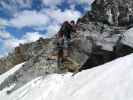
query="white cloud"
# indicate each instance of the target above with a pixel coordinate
(41, 19)
(24, 3)
(5, 5)
(88, 2)
(3, 23)
(13, 5)
(13, 42)
(1, 56)
(52, 30)
(10, 43)
(59, 16)
(85, 3)
(51, 3)
(31, 36)
(29, 19)
(47, 19)
(4, 35)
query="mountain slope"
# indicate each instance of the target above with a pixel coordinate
(112, 81)
(92, 45)
(10, 72)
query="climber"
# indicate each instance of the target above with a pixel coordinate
(102, 29)
(67, 38)
(130, 21)
(64, 37)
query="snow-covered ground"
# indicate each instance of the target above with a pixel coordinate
(127, 37)
(10, 72)
(112, 81)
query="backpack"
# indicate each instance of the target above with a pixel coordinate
(66, 30)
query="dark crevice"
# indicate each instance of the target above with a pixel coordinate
(102, 56)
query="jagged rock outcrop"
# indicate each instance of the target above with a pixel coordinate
(103, 28)
(37, 62)
(113, 12)
(22, 53)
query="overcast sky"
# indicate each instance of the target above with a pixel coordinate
(24, 21)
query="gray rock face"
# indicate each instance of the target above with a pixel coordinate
(113, 12)
(23, 52)
(103, 27)
(36, 56)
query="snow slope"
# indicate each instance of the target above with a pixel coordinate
(10, 72)
(112, 81)
(128, 37)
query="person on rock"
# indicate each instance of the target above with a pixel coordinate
(64, 38)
